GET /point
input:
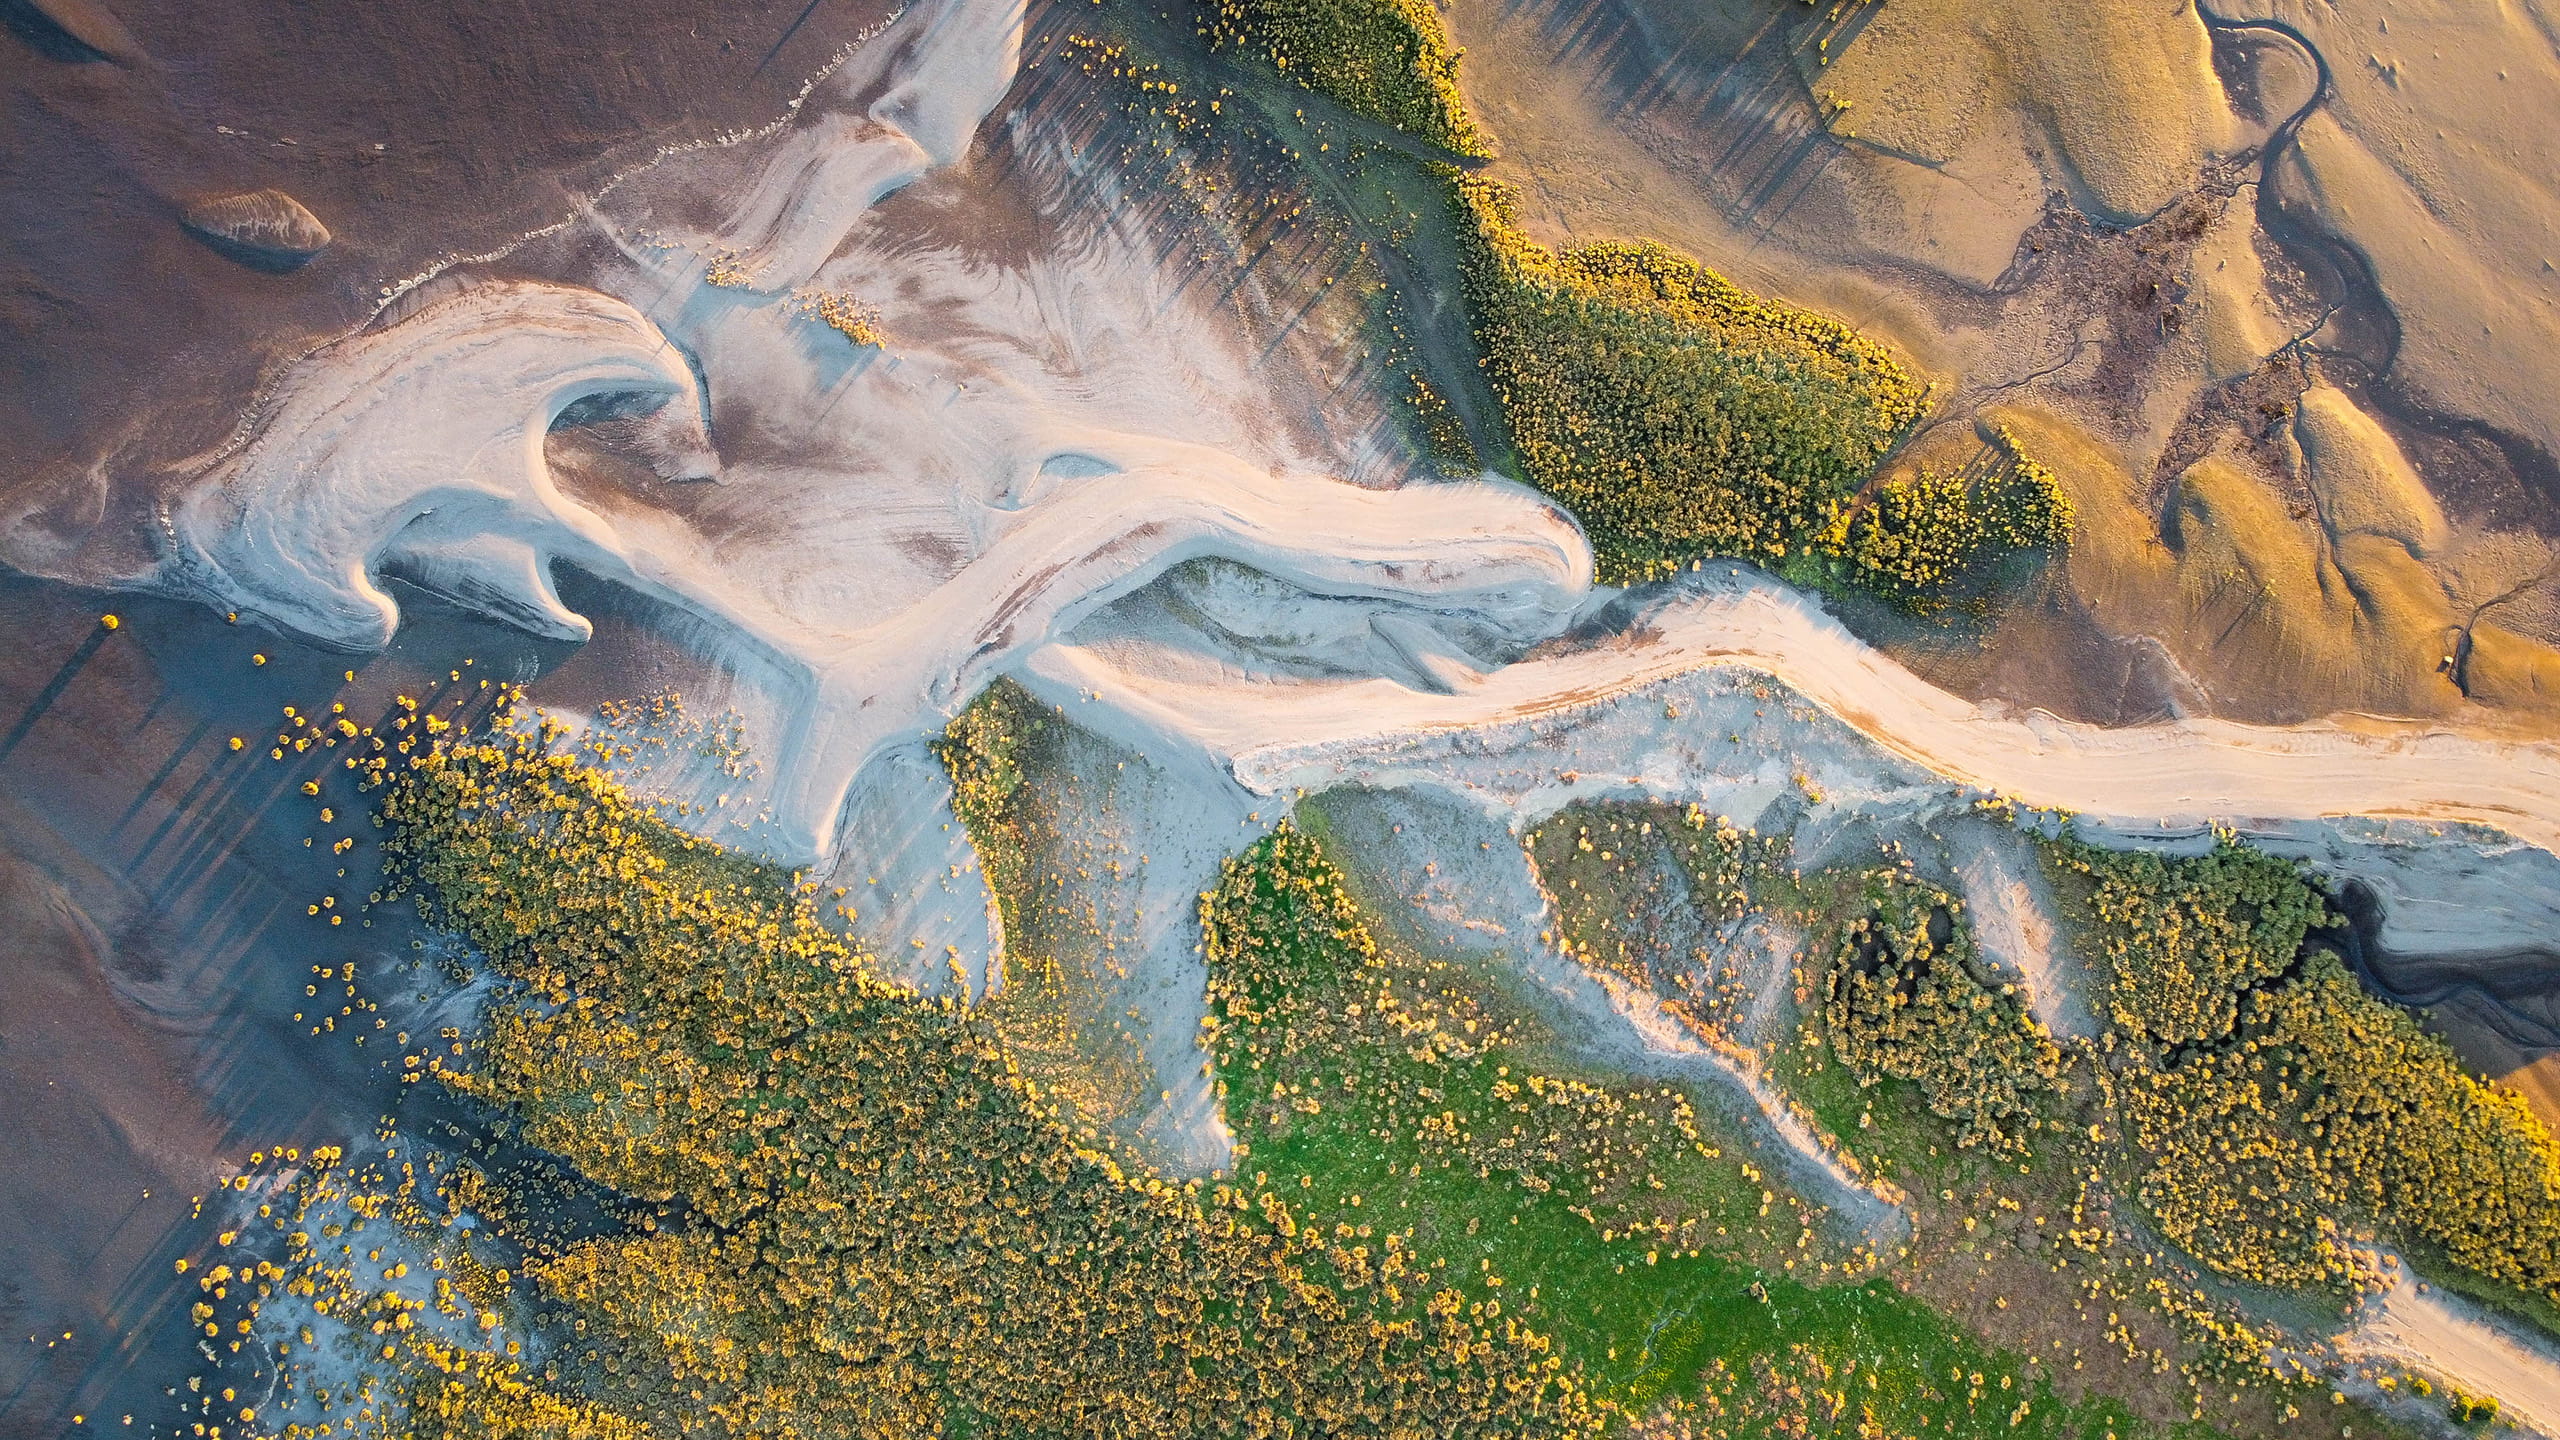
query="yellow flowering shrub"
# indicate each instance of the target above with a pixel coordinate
(1902, 999)
(860, 1219)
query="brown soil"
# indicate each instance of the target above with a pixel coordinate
(411, 131)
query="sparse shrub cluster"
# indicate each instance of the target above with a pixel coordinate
(2466, 1408)
(858, 1218)
(1618, 880)
(847, 316)
(1902, 1000)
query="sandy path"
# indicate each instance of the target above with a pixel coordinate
(1279, 735)
(2012, 912)
(2453, 1339)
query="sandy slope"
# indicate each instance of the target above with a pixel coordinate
(2453, 1339)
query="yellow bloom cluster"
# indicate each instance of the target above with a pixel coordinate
(856, 1218)
(1390, 60)
(1903, 1000)
(2275, 1102)
(1930, 541)
(847, 316)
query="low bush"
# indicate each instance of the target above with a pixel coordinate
(1902, 1001)
(1676, 415)
(1931, 541)
(2183, 939)
(859, 1218)
(2275, 1102)
(1390, 60)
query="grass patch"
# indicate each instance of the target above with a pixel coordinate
(1356, 1068)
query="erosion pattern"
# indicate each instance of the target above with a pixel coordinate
(2176, 248)
(1016, 462)
(1007, 492)
(862, 456)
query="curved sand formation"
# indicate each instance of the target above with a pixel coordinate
(419, 447)
(380, 452)
(1002, 494)
(2181, 773)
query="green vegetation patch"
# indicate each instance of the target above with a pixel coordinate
(1383, 1096)
(857, 1218)
(2184, 939)
(1903, 998)
(1389, 60)
(1607, 863)
(1928, 542)
(1675, 414)
(2275, 1103)
(984, 750)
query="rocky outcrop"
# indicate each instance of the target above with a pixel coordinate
(266, 228)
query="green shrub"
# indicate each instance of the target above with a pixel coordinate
(2469, 1409)
(2183, 939)
(2229, 1173)
(866, 1221)
(1389, 60)
(1676, 415)
(1932, 540)
(1902, 1001)
(2406, 1136)
(983, 750)
(2274, 1101)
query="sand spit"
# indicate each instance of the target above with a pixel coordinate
(2183, 773)
(2455, 1340)
(382, 453)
